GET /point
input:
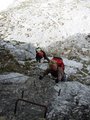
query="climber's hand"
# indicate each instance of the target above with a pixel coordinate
(40, 77)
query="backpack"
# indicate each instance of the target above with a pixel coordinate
(59, 62)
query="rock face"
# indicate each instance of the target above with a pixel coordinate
(65, 100)
(73, 102)
(7, 61)
(21, 51)
(13, 78)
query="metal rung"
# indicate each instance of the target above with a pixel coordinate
(16, 103)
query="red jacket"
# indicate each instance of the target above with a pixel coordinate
(59, 62)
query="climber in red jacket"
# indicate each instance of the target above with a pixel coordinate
(56, 68)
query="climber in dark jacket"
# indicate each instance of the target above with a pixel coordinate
(40, 54)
